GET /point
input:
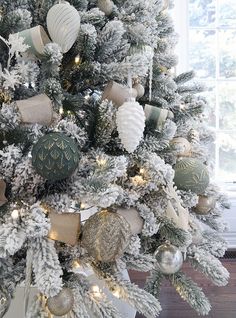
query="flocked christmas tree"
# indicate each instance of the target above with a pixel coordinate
(104, 159)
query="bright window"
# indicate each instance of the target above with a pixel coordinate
(207, 30)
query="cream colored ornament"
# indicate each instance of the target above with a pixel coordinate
(37, 109)
(140, 90)
(175, 211)
(117, 93)
(63, 22)
(182, 146)
(205, 205)
(105, 6)
(133, 218)
(3, 199)
(130, 120)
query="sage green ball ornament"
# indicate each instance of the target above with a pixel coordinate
(191, 174)
(55, 156)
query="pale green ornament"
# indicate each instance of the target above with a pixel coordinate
(191, 174)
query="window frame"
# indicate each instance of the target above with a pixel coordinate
(180, 14)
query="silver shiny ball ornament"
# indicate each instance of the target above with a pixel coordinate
(205, 205)
(5, 300)
(62, 303)
(169, 258)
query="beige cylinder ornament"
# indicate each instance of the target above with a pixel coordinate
(36, 110)
(117, 93)
(105, 6)
(133, 218)
(36, 38)
(65, 227)
(3, 199)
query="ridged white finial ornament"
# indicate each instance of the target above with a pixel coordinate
(63, 22)
(130, 121)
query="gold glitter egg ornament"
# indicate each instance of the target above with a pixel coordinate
(106, 235)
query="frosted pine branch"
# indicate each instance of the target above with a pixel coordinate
(190, 292)
(46, 267)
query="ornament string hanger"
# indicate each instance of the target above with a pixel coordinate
(130, 82)
(151, 77)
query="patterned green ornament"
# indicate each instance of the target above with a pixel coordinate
(191, 174)
(55, 156)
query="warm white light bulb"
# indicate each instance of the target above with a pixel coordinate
(15, 214)
(116, 293)
(96, 291)
(77, 59)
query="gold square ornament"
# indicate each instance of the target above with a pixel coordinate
(65, 227)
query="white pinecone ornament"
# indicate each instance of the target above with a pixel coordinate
(130, 121)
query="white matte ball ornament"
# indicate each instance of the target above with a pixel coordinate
(130, 121)
(133, 218)
(62, 303)
(63, 22)
(169, 258)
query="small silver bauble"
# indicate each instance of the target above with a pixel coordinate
(169, 258)
(205, 205)
(62, 303)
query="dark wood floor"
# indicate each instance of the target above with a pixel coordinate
(223, 299)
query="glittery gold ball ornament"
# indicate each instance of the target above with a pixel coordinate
(191, 174)
(205, 205)
(55, 156)
(181, 146)
(106, 235)
(169, 258)
(62, 303)
(4, 97)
